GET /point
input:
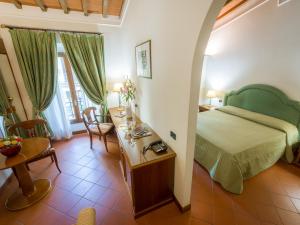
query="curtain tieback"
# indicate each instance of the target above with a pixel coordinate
(37, 113)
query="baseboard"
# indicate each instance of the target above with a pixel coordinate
(182, 209)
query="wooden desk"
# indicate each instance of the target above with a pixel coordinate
(32, 191)
(149, 176)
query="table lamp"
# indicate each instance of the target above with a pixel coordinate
(211, 94)
(117, 88)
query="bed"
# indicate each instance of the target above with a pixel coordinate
(257, 126)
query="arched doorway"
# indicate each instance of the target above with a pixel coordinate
(202, 41)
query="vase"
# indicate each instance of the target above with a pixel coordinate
(128, 111)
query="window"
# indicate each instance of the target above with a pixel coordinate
(72, 94)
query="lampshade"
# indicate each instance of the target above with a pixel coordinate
(211, 94)
(117, 87)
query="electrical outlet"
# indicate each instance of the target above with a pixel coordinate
(173, 135)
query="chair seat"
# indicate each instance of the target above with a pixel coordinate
(104, 127)
(43, 154)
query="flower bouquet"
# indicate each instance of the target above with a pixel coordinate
(128, 93)
(128, 90)
(10, 146)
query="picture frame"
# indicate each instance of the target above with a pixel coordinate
(143, 60)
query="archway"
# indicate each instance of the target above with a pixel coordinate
(202, 41)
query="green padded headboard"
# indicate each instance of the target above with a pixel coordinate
(267, 100)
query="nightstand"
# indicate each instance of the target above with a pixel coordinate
(203, 108)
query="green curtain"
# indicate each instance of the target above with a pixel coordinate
(86, 54)
(37, 56)
(4, 105)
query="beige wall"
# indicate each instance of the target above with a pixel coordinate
(173, 27)
(261, 46)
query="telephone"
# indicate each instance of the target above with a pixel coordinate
(157, 146)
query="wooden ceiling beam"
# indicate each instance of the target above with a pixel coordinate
(64, 6)
(17, 4)
(104, 8)
(41, 4)
(105, 4)
(85, 7)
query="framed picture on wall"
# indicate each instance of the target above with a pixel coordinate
(143, 59)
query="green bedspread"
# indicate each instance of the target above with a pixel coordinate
(235, 144)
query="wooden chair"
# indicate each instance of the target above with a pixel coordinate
(30, 127)
(93, 126)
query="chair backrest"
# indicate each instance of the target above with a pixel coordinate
(89, 114)
(89, 118)
(30, 128)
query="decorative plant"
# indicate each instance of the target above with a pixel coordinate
(10, 141)
(128, 90)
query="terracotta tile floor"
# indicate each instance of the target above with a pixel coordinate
(93, 178)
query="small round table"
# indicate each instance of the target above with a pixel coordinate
(30, 191)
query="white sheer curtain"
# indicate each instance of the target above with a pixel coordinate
(2, 132)
(57, 118)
